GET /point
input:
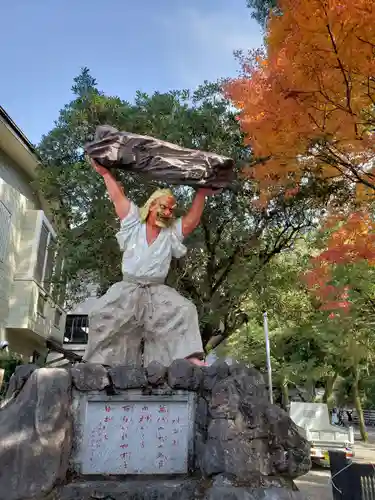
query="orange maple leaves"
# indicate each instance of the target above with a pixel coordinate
(308, 104)
(350, 241)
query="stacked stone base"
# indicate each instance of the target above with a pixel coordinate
(244, 447)
(219, 488)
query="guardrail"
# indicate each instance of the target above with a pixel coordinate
(369, 416)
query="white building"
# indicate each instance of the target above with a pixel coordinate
(28, 314)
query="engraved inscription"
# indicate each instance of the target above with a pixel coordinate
(136, 438)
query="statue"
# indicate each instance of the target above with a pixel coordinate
(141, 312)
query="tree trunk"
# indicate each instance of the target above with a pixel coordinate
(285, 393)
(358, 405)
(310, 389)
(328, 391)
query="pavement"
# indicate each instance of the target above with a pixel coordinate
(317, 483)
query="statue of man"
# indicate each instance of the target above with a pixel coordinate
(141, 312)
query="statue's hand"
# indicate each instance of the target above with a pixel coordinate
(209, 191)
(101, 170)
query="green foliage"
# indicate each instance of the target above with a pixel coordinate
(261, 9)
(8, 362)
(278, 290)
(311, 346)
(235, 239)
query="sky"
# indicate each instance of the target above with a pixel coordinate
(128, 45)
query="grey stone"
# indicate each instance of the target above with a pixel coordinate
(214, 373)
(228, 492)
(236, 456)
(19, 378)
(200, 439)
(156, 373)
(36, 436)
(289, 451)
(89, 377)
(250, 383)
(201, 414)
(128, 377)
(257, 488)
(225, 399)
(201, 426)
(255, 482)
(223, 429)
(136, 489)
(184, 375)
(222, 487)
(247, 434)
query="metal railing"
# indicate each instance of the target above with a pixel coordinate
(76, 329)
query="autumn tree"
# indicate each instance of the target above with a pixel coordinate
(235, 239)
(314, 340)
(306, 107)
(306, 102)
(341, 274)
(341, 278)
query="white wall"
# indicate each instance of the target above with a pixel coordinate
(13, 175)
(16, 196)
(20, 238)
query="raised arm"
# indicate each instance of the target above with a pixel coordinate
(115, 191)
(192, 219)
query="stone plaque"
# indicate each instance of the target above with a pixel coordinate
(141, 435)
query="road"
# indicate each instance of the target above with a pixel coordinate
(317, 484)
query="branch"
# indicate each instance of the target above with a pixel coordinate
(187, 284)
(346, 80)
(219, 232)
(216, 340)
(210, 266)
(231, 260)
(368, 298)
(349, 166)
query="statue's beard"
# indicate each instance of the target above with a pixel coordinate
(163, 222)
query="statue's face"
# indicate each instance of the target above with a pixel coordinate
(162, 211)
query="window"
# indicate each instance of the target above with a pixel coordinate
(45, 258)
(76, 329)
(42, 251)
(59, 287)
(41, 304)
(57, 318)
(5, 217)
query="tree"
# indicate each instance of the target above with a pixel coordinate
(341, 277)
(307, 109)
(8, 363)
(261, 9)
(307, 102)
(313, 340)
(235, 239)
(298, 357)
(351, 342)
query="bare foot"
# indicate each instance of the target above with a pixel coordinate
(197, 362)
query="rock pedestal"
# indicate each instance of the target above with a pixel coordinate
(63, 424)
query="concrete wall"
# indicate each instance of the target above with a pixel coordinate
(20, 323)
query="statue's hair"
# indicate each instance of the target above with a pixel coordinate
(144, 211)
